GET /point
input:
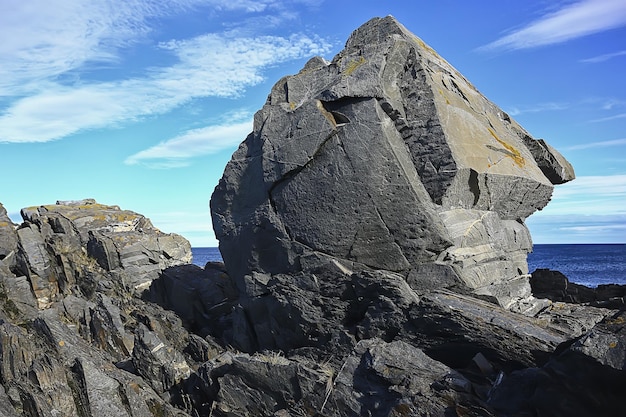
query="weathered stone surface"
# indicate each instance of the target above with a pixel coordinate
(202, 298)
(571, 384)
(386, 157)
(376, 378)
(8, 238)
(376, 265)
(62, 244)
(65, 321)
(158, 363)
(606, 342)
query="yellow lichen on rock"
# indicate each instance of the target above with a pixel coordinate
(353, 65)
(513, 153)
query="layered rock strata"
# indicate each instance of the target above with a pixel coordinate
(56, 242)
(75, 339)
(101, 347)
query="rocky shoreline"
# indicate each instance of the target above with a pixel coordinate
(372, 228)
(81, 335)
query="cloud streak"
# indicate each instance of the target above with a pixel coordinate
(595, 228)
(572, 21)
(588, 194)
(49, 39)
(602, 144)
(541, 107)
(609, 118)
(211, 65)
(588, 209)
(176, 152)
(602, 58)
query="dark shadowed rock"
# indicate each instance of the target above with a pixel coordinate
(8, 239)
(376, 378)
(555, 286)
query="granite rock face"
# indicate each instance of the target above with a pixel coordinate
(386, 157)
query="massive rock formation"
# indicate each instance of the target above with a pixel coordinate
(102, 346)
(377, 210)
(375, 265)
(384, 159)
(388, 158)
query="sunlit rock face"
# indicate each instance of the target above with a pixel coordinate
(386, 158)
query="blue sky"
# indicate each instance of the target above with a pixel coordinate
(141, 103)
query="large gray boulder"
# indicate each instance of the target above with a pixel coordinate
(388, 158)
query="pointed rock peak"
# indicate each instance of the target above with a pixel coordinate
(382, 29)
(375, 31)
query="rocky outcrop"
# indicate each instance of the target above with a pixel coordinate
(375, 265)
(388, 158)
(120, 241)
(385, 159)
(73, 332)
(556, 287)
(380, 201)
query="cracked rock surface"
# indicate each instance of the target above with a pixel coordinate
(372, 228)
(378, 206)
(387, 158)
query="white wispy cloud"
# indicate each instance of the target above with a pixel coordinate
(46, 39)
(609, 104)
(609, 118)
(602, 58)
(577, 228)
(212, 65)
(177, 151)
(595, 228)
(48, 47)
(572, 21)
(541, 107)
(602, 144)
(587, 209)
(589, 195)
(259, 5)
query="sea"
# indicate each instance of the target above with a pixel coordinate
(589, 265)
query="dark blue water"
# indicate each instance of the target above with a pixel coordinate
(203, 255)
(589, 265)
